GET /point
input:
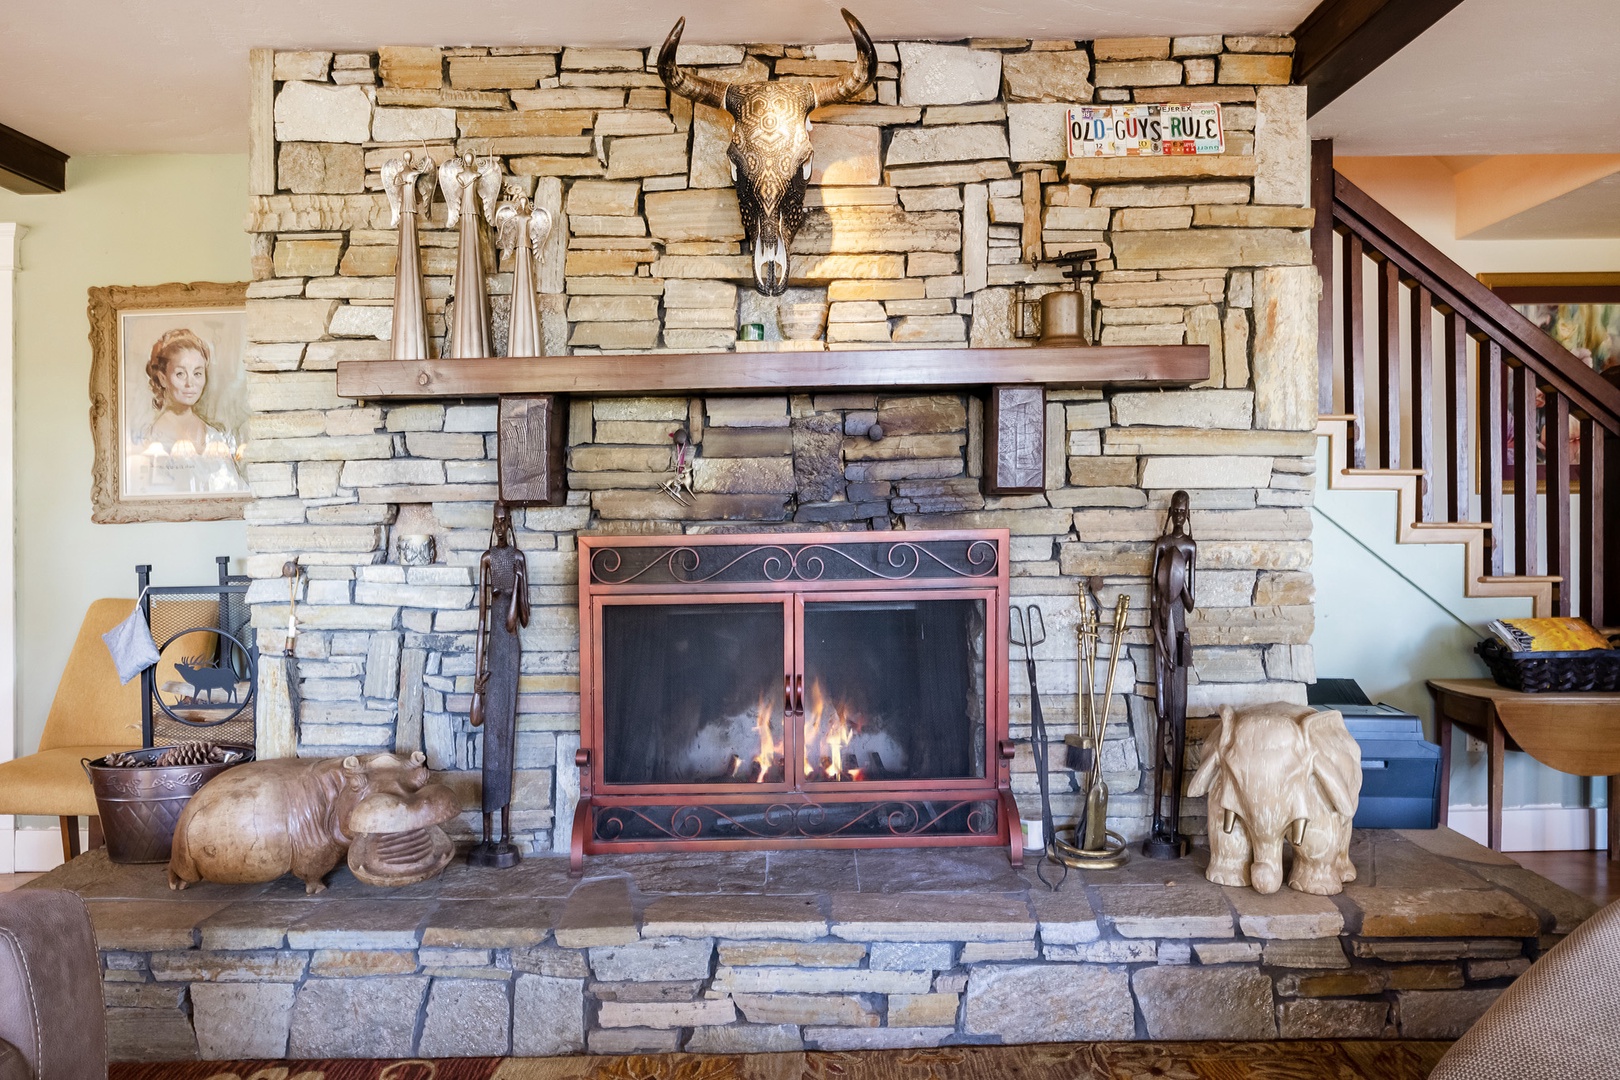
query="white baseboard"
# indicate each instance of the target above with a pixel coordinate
(1538, 828)
(37, 850)
(8, 844)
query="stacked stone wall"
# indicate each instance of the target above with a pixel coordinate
(932, 202)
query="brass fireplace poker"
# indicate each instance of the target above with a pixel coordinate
(1095, 847)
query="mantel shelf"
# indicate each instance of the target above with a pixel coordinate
(775, 372)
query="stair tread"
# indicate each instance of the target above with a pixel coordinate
(1482, 526)
(1384, 472)
(1523, 579)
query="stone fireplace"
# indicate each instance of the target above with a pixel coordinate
(812, 690)
(934, 206)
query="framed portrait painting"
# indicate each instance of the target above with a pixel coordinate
(1582, 313)
(168, 402)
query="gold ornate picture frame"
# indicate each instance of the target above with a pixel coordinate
(168, 402)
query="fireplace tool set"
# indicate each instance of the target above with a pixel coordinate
(1094, 847)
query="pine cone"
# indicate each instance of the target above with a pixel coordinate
(189, 753)
(123, 761)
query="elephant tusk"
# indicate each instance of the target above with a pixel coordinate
(1296, 830)
(1228, 821)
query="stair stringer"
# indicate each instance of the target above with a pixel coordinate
(1538, 589)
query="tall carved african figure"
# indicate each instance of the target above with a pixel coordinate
(770, 143)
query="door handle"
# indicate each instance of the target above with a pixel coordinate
(787, 694)
(798, 693)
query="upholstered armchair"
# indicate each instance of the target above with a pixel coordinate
(52, 1022)
(91, 715)
(1558, 1021)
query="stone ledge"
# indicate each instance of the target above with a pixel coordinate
(693, 951)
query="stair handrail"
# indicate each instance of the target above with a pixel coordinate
(1453, 288)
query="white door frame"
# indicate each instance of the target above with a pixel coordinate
(11, 235)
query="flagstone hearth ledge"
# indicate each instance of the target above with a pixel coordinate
(776, 372)
(756, 952)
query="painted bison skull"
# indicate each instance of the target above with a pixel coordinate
(770, 143)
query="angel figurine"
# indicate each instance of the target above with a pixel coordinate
(466, 185)
(409, 184)
(679, 486)
(521, 228)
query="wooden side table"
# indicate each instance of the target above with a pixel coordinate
(1577, 734)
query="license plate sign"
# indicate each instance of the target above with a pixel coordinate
(1192, 129)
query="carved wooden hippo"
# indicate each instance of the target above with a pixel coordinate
(265, 818)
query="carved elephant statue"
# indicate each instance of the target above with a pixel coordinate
(1275, 771)
(304, 815)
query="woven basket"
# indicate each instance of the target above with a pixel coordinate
(1551, 672)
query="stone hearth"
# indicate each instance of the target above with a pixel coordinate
(759, 952)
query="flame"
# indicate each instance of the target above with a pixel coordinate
(768, 749)
(828, 732)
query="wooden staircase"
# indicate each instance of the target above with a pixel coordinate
(1452, 385)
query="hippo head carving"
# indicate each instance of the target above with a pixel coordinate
(770, 143)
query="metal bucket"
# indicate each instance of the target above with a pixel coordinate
(141, 805)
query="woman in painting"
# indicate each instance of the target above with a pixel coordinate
(184, 451)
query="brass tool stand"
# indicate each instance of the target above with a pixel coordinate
(1095, 846)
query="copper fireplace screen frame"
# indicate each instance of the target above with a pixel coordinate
(788, 569)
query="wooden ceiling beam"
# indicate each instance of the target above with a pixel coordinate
(30, 166)
(1344, 41)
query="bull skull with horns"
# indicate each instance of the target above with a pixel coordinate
(770, 143)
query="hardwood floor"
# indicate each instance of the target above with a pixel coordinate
(11, 881)
(1589, 873)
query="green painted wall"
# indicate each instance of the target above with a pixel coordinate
(140, 220)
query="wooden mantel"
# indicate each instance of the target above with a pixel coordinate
(775, 372)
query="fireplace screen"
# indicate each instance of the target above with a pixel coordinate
(830, 690)
(697, 693)
(894, 690)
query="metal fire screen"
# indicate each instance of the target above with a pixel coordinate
(202, 687)
(824, 690)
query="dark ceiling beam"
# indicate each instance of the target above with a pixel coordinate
(1344, 41)
(30, 166)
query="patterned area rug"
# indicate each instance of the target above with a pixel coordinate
(1054, 1061)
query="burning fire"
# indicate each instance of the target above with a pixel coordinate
(771, 754)
(827, 734)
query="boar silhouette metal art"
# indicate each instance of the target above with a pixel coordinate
(770, 148)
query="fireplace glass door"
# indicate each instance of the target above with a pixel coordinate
(696, 694)
(894, 690)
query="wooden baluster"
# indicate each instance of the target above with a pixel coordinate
(1423, 398)
(1322, 256)
(1492, 415)
(1526, 518)
(1355, 359)
(1593, 514)
(1558, 539)
(1389, 365)
(1459, 446)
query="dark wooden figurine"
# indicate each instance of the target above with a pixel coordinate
(1170, 598)
(503, 607)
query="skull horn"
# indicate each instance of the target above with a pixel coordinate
(689, 84)
(832, 91)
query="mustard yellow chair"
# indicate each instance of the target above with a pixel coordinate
(91, 715)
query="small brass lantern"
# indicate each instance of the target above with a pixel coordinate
(1061, 317)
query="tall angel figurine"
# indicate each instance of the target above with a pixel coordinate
(409, 184)
(522, 228)
(467, 184)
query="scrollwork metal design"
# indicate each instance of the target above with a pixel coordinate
(890, 561)
(885, 819)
